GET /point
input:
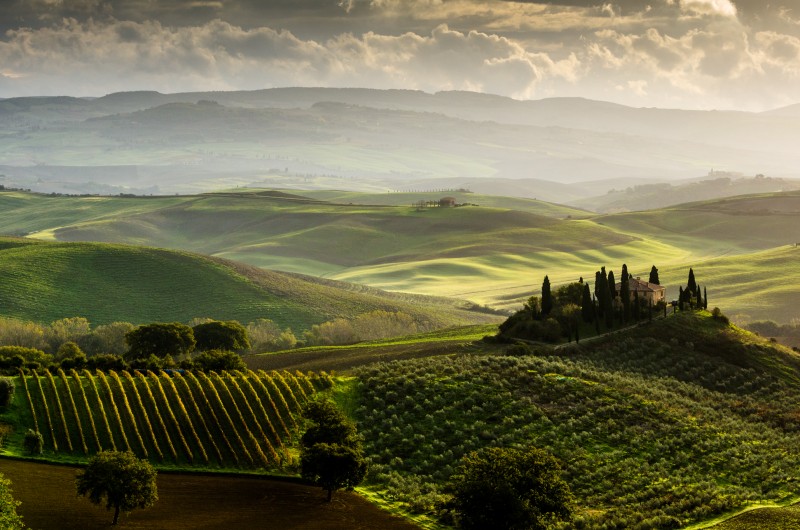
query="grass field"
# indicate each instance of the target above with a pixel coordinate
(495, 254)
(104, 283)
(345, 358)
(787, 518)
(185, 501)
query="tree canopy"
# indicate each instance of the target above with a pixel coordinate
(9, 518)
(219, 360)
(216, 335)
(159, 339)
(505, 488)
(330, 450)
(119, 479)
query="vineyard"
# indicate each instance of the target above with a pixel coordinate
(229, 420)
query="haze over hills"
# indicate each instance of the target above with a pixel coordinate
(377, 140)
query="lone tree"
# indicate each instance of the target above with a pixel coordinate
(216, 335)
(121, 479)
(159, 339)
(503, 489)
(330, 450)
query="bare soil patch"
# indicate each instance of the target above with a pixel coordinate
(192, 501)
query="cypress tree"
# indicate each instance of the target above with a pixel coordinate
(699, 298)
(612, 285)
(691, 285)
(705, 298)
(636, 307)
(547, 297)
(680, 298)
(612, 295)
(587, 306)
(625, 294)
(597, 283)
(601, 288)
(654, 276)
(606, 301)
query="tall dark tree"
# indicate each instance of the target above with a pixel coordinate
(681, 298)
(121, 480)
(625, 294)
(505, 489)
(612, 296)
(597, 283)
(587, 305)
(601, 288)
(654, 276)
(547, 297)
(705, 298)
(612, 285)
(691, 285)
(699, 298)
(605, 301)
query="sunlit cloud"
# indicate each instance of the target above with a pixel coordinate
(694, 53)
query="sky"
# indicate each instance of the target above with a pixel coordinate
(696, 54)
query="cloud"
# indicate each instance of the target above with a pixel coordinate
(692, 53)
(710, 7)
(217, 55)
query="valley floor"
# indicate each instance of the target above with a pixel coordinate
(49, 501)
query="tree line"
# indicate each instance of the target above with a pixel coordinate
(203, 343)
(576, 307)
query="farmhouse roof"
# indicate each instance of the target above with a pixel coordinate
(635, 284)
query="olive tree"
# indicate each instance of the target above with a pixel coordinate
(330, 450)
(507, 489)
(119, 479)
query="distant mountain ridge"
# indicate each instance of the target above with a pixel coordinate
(368, 140)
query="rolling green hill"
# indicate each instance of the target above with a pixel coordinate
(671, 423)
(494, 254)
(104, 283)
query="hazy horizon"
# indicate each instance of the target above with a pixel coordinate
(691, 54)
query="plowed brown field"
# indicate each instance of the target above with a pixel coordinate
(188, 501)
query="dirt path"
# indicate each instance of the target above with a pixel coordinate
(187, 501)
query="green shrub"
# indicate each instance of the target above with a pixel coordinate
(219, 360)
(6, 391)
(33, 442)
(716, 314)
(106, 362)
(29, 355)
